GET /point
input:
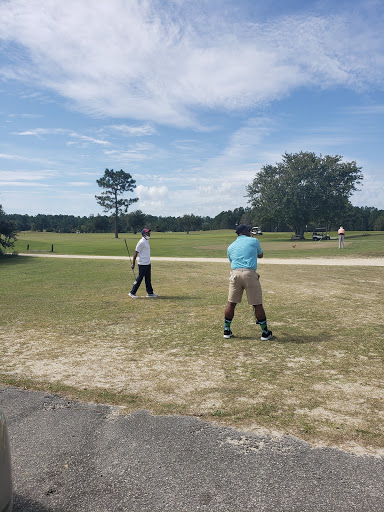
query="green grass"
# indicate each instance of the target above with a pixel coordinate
(69, 327)
(206, 244)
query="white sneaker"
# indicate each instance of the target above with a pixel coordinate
(153, 295)
(133, 296)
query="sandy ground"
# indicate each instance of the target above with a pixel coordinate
(357, 262)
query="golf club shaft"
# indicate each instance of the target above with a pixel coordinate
(126, 245)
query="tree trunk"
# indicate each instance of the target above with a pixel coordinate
(116, 224)
(299, 232)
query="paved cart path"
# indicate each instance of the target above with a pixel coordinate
(358, 262)
(84, 457)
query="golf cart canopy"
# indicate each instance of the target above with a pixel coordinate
(320, 234)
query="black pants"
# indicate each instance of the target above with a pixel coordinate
(144, 272)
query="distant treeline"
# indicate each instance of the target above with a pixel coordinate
(355, 219)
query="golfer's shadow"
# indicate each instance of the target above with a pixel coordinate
(175, 297)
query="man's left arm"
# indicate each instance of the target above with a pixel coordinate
(259, 250)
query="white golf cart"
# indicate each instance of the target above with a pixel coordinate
(256, 230)
(320, 234)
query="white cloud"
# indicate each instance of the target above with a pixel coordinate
(153, 200)
(136, 131)
(126, 156)
(22, 177)
(365, 110)
(25, 116)
(11, 157)
(151, 193)
(22, 184)
(371, 191)
(79, 184)
(38, 132)
(160, 65)
(6, 156)
(85, 138)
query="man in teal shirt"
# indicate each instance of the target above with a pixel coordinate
(243, 254)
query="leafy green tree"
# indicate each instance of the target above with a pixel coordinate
(191, 223)
(7, 232)
(116, 183)
(228, 219)
(303, 188)
(379, 223)
(135, 221)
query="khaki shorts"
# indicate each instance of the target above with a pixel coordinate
(245, 279)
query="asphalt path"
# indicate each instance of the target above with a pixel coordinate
(79, 457)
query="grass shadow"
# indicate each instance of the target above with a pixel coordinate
(283, 339)
(175, 297)
(15, 259)
(301, 340)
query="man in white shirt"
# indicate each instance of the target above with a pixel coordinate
(143, 252)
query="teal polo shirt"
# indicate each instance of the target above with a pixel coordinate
(242, 253)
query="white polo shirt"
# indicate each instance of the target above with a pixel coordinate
(144, 251)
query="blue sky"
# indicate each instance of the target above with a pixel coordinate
(190, 97)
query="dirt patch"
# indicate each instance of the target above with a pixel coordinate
(160, 375)
(346, 262)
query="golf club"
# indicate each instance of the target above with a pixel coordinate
(133, 270)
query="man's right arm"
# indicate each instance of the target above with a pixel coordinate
(259, 250)
(134, 259)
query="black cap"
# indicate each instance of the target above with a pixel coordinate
(243, 227)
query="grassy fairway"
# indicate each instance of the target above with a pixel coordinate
(212, 244)
(68, 326)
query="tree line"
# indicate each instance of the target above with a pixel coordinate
(355, 218)
(127, 223)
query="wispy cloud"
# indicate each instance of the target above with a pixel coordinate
(135, 131)
(26, 176)
(79, 184)
(25, 116)
(139, 151)
(159, 64)
(365, 110)
(85, 138)
(39, 132)
(23, 184)
(22, 158)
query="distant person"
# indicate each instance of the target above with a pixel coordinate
(341, 234)
(143, 252)
(243, 254)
